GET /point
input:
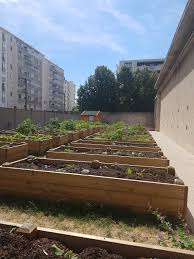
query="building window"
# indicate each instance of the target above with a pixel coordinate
(11, 66)
(3, 67)
(11, 94)
(3, 36)
(19, 96)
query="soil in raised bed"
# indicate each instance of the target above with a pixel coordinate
(115, 170)
(109, 151)
(16, 246)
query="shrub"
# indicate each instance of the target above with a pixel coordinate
(137, 130)
(26, 127)
(68, 125)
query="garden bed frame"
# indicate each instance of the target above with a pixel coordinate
(138, 196)
(60, 140)
(78, 241)
(9, 154)
(113, 147)
(158, 162)
(109, 142)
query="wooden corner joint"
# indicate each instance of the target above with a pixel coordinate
(28, 230)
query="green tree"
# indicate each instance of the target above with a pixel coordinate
(126, 90)
(145, 93)
(99, 91)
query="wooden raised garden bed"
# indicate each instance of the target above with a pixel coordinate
(116, 185)
(81, 242)
(83, 133)
(58, 153)
(60, 140)
(109, 142)
(39, 147)
(73, 136)
(12, 151)
(118, 147)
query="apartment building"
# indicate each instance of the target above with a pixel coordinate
(27, 79)
(70, 92)
(53, 89)
(153, 65)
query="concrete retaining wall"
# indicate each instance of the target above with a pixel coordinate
(10, 118)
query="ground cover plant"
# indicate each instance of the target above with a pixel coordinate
(124, 132)
(88, 218)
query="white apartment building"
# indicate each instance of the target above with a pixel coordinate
(154, 65)
(70, 92)
(27, 79)
(53, 89)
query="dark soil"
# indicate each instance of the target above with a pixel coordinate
(16, 246)
(118, 171)
(108, 151)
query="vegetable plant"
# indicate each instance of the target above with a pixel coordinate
(26, 127)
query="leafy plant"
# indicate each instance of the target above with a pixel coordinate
(26, 127)
(68, 125)
(57, 251)
(129, 171)
(67, 150)
(70, 255)
(179, 237)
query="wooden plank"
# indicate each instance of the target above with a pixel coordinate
(107, 142)
(138, 196)
(78, 241)
(109, 158)
(116, 147)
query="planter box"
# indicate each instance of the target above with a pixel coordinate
(158, 162)
(77, 242)
(60, 140)
(74, 135)
(138, 196)
(90, 131)
(109, 142)
(9, 154)
(39, 147)
(126, 148)
(83, 133)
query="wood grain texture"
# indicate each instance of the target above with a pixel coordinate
(137, 196)
(78, 241)
(109, 158)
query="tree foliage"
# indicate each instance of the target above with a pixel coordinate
(127, 92)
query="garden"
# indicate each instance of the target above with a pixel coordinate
(110, 182)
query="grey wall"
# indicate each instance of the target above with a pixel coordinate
(144, 118)
(10, 118)
(176, 103)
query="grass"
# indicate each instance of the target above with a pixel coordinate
(84, 218)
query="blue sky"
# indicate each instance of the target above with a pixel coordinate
(78, 35)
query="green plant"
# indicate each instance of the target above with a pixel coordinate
(129, 171)
(26, 127)
(57, 251)
(136, 130)
(67, 150)
(52, 124)
(60, 252)
(68, 125)
(179, 236)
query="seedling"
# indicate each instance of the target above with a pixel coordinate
(129, 171)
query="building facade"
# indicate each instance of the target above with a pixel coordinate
(27, 78)
(53, 90)
(174, 104)
(153, 65)
(70, 93)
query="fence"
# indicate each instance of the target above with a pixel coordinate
(10, 118)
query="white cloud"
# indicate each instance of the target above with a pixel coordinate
(58, 20)
(125, 20)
